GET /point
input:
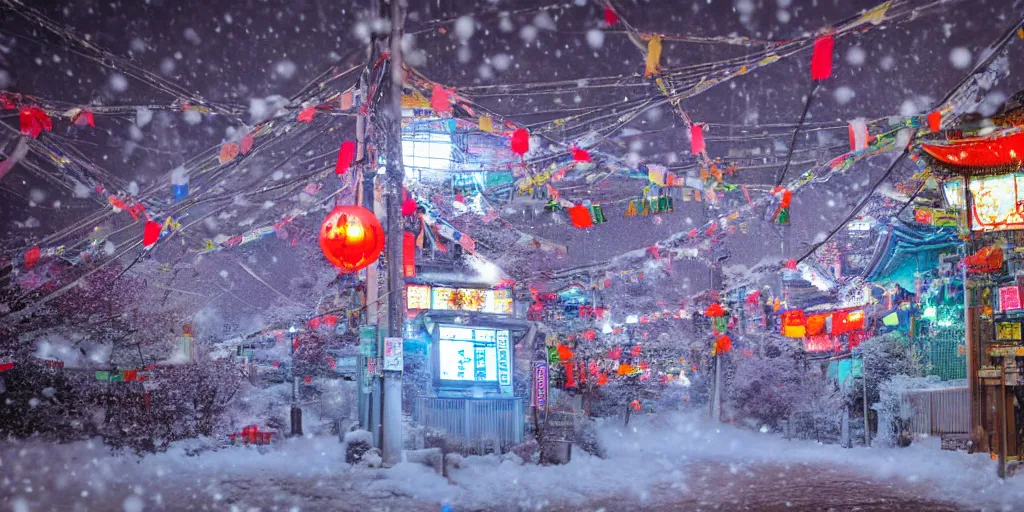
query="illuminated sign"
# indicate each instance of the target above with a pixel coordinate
(474, 355)
(421, 297)
(1009, 298)
(994, 201)
(417, 296)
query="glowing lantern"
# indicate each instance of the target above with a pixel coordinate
(351, 238)
(520, 141)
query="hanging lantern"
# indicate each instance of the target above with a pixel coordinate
(580, 155)
(722, 345)
(935, 121)
(520, 141)
(821, 60)
(351, 238)
(714, 311)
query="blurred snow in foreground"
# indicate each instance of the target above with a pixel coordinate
(654, 458)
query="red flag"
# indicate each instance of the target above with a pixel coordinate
(610, 16)
(439, 100)
(821, 60)
(306, 115)
(520, 141)
(33, 121)
(346, 154)
(935, 121)
(246, 144)
(723, 345)
(151, 233)
(564, 353)
(696, 139)
(580, 216)
(31, 257)
(83, 118)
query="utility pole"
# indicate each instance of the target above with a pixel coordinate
(391, 417)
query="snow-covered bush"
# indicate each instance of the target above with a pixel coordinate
(895, 411)
(766, 386)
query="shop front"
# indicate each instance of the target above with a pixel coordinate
(467, 365)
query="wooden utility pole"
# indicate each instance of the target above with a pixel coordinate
(391, 417)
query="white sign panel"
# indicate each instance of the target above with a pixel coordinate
(393, 361)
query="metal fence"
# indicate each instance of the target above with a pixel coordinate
(939, 411)
(473, 420)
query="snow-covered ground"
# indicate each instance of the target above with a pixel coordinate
(653, 460)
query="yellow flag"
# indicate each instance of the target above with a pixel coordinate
(653, 56)
(486, 124)
(877, 15)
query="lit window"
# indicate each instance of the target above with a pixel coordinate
(427, 151)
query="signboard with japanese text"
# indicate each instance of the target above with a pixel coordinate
(420, 297)
(540, 384)
(472, 356)
(1009, 298)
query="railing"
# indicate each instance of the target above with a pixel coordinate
(939, 411)
(473, 420)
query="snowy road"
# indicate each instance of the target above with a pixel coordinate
(679, 462)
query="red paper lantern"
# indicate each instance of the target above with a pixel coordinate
(520, 141)
(714, 311)
(580, 155)
(723, 344)
(351, 238)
